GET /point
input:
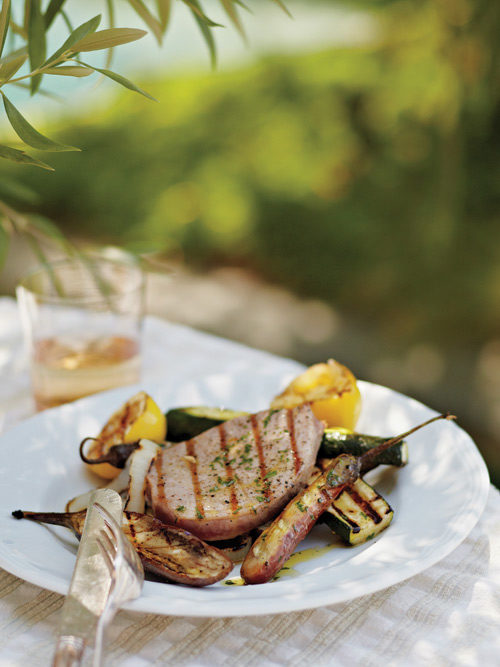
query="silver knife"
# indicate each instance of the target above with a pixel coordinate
(90, 584)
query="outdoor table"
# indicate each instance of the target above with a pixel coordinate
(447, 615)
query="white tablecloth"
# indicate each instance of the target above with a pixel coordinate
(448, 615)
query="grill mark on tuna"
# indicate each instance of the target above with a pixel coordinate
(198, 498)
(293, 441)
(161, 484)
(365, 506)
(262, 462)
(229, 471)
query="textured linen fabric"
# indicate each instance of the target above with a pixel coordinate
(447, 615)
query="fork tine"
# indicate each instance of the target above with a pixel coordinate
(108, 520)
(107, 558)
(111, 541)
(109, 544)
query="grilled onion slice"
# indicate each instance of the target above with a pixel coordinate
(170, 553)
(131, 482)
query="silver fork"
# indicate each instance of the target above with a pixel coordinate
(127, 574)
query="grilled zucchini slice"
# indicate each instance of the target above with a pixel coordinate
(186, 423)
(342, 441)
(358, 514)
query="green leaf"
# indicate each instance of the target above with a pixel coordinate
(27, 132)
(148, 18)
(10, 188)
(208, 37)
(36, 42)
(104, 39)
(52, 11)
(77, 34)
(18, 29)
(164, 7)
(283, 7)
(195, 7)
(8, 67)
(120, 79)
(16, 155)
(13, 54)
(230, 10)
(4, 243)
(243, 5)
(4, 22)
(67, 21)
(68, 70)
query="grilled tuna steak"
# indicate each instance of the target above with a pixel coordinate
(235, 476)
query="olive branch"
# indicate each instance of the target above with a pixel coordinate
(24, 29)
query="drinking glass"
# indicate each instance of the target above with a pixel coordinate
(82, 320)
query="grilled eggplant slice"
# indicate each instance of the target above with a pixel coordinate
(174, 553)
(358, 513)
(342, 441)
(168, 552)
(186, 423)
(276, 543)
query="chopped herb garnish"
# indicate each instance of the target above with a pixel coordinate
(181, 508)
(217, 459)
(199, 515)
(271, 473)
(300, 505)
(267, 418)
(225, 482)
(261, 499)
(213, 489)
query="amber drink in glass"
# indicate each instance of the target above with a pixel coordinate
(82, 321)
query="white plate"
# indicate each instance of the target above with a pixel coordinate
(437, 500)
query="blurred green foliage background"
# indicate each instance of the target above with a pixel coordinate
(365, 176)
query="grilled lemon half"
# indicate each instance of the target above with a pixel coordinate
(331, 390)
(139, 417)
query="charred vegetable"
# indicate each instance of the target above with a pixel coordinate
(276, 543)
(140, 460)
(186, 423)
(342, 441)
(116, 455)
(119, 484)
(358, 513)
(135, 460)
(166, 551)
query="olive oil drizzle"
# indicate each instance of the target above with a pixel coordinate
(303, 556)
(288, 569)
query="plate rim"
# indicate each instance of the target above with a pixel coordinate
(274, 605)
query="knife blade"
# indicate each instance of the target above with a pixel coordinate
(90, 584)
